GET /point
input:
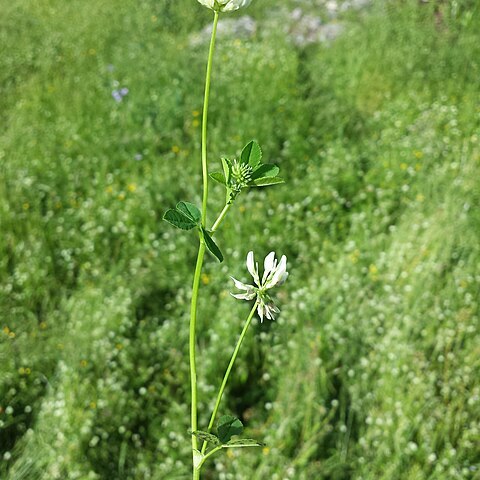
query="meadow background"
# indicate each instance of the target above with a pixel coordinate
(372, 369)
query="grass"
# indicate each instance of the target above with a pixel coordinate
(371, 371)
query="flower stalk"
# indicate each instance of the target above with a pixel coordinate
(227, 373)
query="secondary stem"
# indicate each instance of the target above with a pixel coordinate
(201, 249)
(218, 221)
(227, 373)
(209, 454)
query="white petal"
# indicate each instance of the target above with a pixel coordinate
(250, 263)
(233, 5)
(269, 261)
(244, 296)
(241, 285)
(207, 3)
(260, 308)
(251, 267)
(268, 265)
(271, 310)
(279, 273)
(283, 279)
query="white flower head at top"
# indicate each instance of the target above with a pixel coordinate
(275, 273)
(225, 5)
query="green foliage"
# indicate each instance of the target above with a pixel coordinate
(207, 437)
(251, 154)
(370, 371)
(248, 172)
(185, 216)
(218, 177)
(242, 443)
(211, 245)
(227, 427)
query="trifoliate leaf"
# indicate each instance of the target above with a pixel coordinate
(265, 181)
(243, 442)
(218, 177)
(190, 211)
(179, 220)
(265, 170)
(212, 246)
(227, 427)
(251, 154)
(207, 437)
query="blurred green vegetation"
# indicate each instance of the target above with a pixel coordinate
(371, 371)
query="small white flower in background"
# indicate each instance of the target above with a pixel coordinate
(274, 275)
(225, 5)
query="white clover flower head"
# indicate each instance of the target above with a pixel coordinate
(225, 5)
(275, 273)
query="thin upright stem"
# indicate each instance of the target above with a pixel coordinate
(192, 343)
(201, 251)
(205, 119)
(227, 373)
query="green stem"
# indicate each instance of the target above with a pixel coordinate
(192, 345)
(205, 119)
(209, 454)
(201, 250)
(227, 373)
(218, 221)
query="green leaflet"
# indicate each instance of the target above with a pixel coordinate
(251, 154)
(227, 427)
(189, 210)
(265, 170)
(265, 181)
(185, 216)
(211, 245)
(227, 169)
(218, 177)
(179, 220)
(207, 437)
(243, 442)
